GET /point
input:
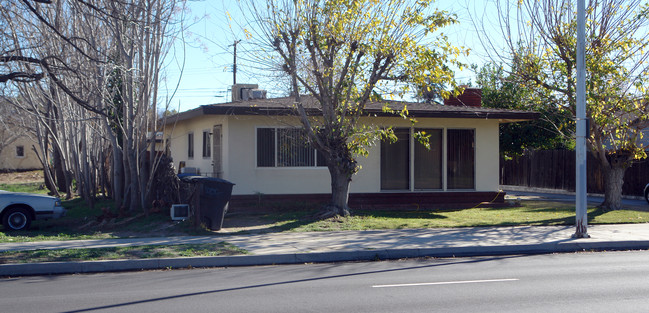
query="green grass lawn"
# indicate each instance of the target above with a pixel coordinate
(81, 221)
(27, 187)
(117, 253)
(535, 213)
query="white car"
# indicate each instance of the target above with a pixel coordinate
(18, 210)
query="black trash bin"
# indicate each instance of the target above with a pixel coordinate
(211, 199)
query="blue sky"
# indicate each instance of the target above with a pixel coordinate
(208, 52)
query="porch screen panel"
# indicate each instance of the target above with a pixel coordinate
(265, 147)
(461, 159)
(395, 172)
(293, 148)
(428, 163)
(320, 159)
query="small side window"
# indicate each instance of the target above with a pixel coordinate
(190, 145)
(207, 146)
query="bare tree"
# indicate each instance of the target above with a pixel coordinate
(13, 125)
(89, 71)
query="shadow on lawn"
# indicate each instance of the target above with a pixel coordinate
(569, 220)
(399, 214)
(287, 221)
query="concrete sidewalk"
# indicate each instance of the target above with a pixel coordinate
(288, 247)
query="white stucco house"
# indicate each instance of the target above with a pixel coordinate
(256, 145)
(17, 154)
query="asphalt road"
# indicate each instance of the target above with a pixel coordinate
(581, 282)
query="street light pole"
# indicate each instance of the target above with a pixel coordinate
(581, 215)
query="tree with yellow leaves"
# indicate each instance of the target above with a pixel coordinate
(540, 40)
(344, 54)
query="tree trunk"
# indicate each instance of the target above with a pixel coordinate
(341, 167)
(117, 168)
(614, 170)
(134, 200)
(339, 193)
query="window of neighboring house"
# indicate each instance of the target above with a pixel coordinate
(285, 147)
(207, 146)
(20, 151)
(190, 145)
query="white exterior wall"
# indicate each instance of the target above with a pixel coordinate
(251, 179)
(239, 154)
(179, 143)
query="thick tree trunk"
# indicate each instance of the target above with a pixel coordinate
(341, 168)
(614, 170)
(339, 192)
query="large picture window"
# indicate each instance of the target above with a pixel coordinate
(460, 158)
(285, 147)
(428, 162)
(408, 165)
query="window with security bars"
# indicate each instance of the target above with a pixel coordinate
(285, 147)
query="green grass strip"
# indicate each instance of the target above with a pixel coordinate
(118, 253)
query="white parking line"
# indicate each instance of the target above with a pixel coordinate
(448, 283)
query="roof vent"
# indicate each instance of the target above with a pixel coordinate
(470, 97)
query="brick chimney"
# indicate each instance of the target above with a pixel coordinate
(470, 97)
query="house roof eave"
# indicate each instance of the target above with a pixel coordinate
(285, 107)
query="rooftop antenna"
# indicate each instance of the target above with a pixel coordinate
(234, 64)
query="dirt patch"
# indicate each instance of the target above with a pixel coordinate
(22, 177)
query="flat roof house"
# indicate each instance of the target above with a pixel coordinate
(257, 144)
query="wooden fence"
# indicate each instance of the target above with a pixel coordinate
(555, 169)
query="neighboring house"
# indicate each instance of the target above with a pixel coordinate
(19, 155)
(257, 145)
(16, 140)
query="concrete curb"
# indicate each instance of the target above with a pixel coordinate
(317, 257)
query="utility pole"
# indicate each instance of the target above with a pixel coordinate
(234, 63)
(581, 214)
